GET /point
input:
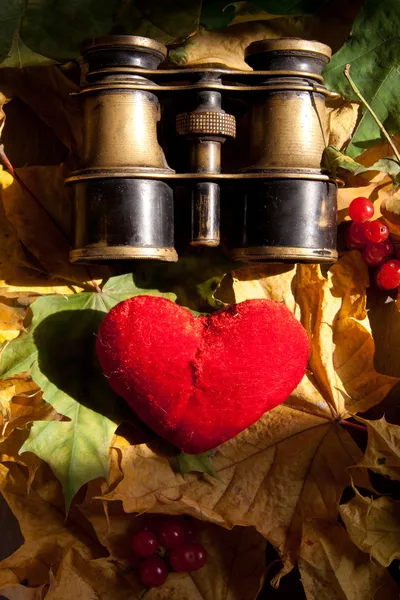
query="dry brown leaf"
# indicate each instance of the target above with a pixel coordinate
(18, 272)
(21, 403)
(70, 558)
(374, 526)
(333, 568)
(234, 570)
(49, 93)
(42, 521)
(30, 216)
(383, 450)
(333, 312)
(375, 187)
(266, 482)
(342, 120)
(331, 26)
(21, 592)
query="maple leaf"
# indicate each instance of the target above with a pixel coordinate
(265, 481)
(374, 526)
(332, 567)
(21, 403)
(373, 52)
(90, 554)
(383, 450)
(71, 380)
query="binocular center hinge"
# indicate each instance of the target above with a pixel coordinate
(206, 123)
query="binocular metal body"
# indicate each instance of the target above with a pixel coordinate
(239, 152)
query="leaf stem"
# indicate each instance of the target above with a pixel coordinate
(357, 92)
(351, 425)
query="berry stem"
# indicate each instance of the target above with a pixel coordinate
(351, 425)
(357, 92)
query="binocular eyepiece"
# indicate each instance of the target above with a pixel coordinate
(275, 204)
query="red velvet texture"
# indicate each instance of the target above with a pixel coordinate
(199, 381)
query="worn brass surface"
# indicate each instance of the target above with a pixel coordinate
(210, 85)
(128, 42)
(271, 174)
(289, 45)
(287, 130)
(120, 130)
(99, 253)
(205, 156)
(280, 253)
(206, 123)
(184, 73)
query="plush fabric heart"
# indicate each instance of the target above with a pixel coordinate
(199, 381)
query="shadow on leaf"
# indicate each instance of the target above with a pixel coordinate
(67, 358)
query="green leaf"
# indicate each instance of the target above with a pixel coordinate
(216, 15)
(10, 18)
(59, 350)
(335, 161)
(57, 29)
(194, 279)
(20, 56)
(194, 463)
(373, 51)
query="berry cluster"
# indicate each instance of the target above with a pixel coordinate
(372, 238)
(182, 553)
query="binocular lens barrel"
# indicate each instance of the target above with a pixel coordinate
(278, 205)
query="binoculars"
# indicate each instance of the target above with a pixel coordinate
(228, 156)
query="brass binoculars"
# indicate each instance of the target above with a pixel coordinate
(229, 156)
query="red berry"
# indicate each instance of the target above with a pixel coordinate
(361, 209)
(144, 543)
(356, 236)
(375, 254)
(376, 231)
(171, 534)
(388, 276)
(189, 557)
(153, 572)
(389, 247)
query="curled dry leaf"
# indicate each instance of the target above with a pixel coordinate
(342, 120)
(42, 521)
(90, 556)
(383, 450)
(332, 567)
(21, 403)
(49, 93)
(18, 271)
(35, 212)
(374, 526)
(376, 187)
(290, 466)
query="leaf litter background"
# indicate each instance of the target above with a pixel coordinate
(281, 480)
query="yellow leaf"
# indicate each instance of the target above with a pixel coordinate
(374, 526)
(69, 555)
(30, 213)
(21, 403)
(342, 120)
(42, 521)
(266, 480)
(383, 450)
(332, 567)
(17, 272)
(333, 312)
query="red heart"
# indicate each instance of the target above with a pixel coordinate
(199, 381)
